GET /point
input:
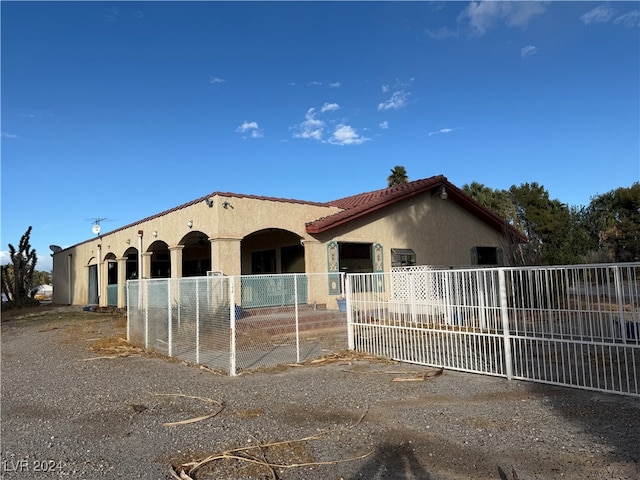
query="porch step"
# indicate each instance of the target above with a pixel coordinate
(276, 321)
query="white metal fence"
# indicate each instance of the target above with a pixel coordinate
(577, 326)
(236, 323)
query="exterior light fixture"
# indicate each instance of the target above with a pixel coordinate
(440, 192)
(189, 224)
(209, 202)
(155, 233)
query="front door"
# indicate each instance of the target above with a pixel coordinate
(93, 285)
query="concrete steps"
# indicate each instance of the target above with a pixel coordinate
(279, 320)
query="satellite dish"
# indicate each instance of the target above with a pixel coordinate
(55, 248)
(96, 229)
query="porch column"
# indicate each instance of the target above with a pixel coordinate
(146, 264)
(226, 255)
(175, 255)
(122, 281)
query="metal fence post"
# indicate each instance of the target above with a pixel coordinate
(504, 310)
(169, 318)
(412, 299)
(295, 296)
(619, 289)
(145, 297)
(128, 311)
(232, 327)
(198, 320)
(350, 326)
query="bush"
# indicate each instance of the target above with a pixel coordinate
(20, 303)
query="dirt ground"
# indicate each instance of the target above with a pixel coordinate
(78, 401)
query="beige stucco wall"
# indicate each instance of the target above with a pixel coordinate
(439, 231)
(224, 227)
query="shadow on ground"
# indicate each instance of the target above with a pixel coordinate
(393, 461)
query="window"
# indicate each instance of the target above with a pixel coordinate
(355, 257)
(263, 262)
(403, 257)
(486, 256)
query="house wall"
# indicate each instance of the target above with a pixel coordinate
(439, 231)
(224, 227)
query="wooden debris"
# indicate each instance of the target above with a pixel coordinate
(349, 355)
(191, 420)
(420, 377)
(184, 471)
(138, 408)
(200, 418)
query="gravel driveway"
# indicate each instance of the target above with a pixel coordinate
(70, 410)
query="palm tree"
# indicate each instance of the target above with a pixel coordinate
(398, 176)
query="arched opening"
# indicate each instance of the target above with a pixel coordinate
(93, 281)
(272, 250)
(112, 279)
(131, 255)
(160, 260)
(196, 254)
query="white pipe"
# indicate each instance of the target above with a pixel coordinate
(69, 277)
(99, 255)
(140, 254)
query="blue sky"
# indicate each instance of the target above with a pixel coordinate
(121, 110)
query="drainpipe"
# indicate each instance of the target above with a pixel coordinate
(140, 232)
(99, 255)
(69, 276)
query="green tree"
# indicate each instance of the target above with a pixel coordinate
(17, 281)
(497, 200)
(398, 176)
(547, 224)
(613, 224)
(41, 278)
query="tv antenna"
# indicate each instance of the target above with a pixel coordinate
(96, 224)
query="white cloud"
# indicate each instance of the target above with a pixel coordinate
(605, 14)
(111, 14)
(384, 125)
(5, 258)
(215, 80)
(314, 128)
(484, 16)
(528, 50)
(385, 88)
(444, 130)
(441, 33)
(329, 107)
(8, 135)
(311, 127)
(630, 19)
(397, 101)
(600, 14)
(346, 135)
(250, 128)
(335, 85)
(314, 83)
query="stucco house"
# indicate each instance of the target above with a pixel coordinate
(424, 222)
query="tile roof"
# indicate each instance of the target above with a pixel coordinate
(356, 206)
(362, 204)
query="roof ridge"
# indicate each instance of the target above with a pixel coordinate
(348, 202)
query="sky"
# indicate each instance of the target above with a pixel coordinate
(121, 110)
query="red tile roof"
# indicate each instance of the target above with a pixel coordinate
(359, 205)
(362, 204)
